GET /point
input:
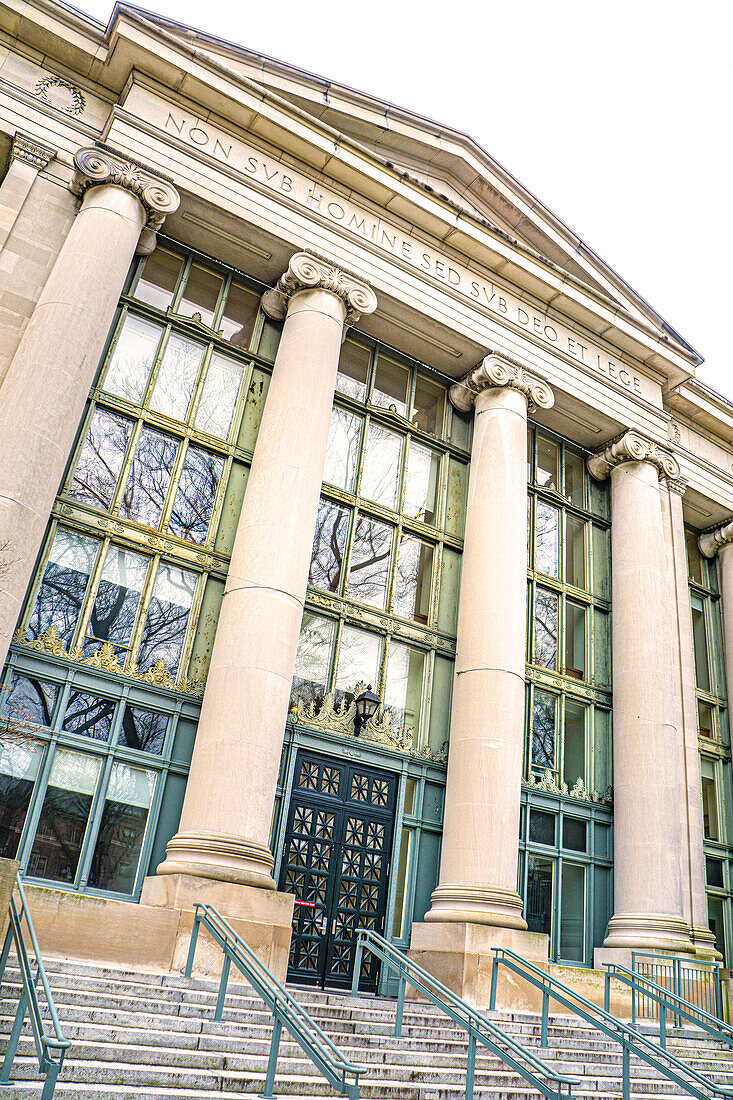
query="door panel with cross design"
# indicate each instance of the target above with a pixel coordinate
(336, 862)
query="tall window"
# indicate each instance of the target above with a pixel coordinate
(385, 566)
(713, 740)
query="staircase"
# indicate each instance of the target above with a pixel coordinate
(151, 1036)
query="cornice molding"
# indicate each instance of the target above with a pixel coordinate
(309, 271)
(32, 152)
(712, 541)
(676, 485)
(495, 372)
(631, 446)
(96, 166)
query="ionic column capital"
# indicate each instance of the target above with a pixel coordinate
(97, 166)
(309, 271)
(32, 152)
(677, 485)
(631, 446)
(496, 371)
(712, 541)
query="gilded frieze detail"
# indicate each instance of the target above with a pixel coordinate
(547, 783)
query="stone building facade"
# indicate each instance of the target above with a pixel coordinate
(302, 394)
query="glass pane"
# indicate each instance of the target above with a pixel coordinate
(574, 744)
(118, 597)
(428, 406)
(144, 494)
(541, 827)
(694, 557)
(413, 579)
(421, 483)
(100, 461)
(132, 358)
(574, 478)
(601, 563)
(64, 585)
(543, 729)
(455, 512)
(143, 729)
(353, 373)
(329, 546)
(359, 659)
(601, 751)
(28, 699)
(538, 905)
(196, 496)
(714, 872)
(20, 762)
(701, 645)
(369, 567)
(200, 295)
(450, 583)
(572, 913)
(574, 640)
(575, 551)
(165, 626)
(546, 554)
(545, 629)
(64, 816)
(159, 278)
(403, 687)
(240, 314)
(398, 921)
(602, 648)
(89, 716)
(219, 396)
(177, 377)
(716, 924)
(381, 473)
(122, 828)
(709, 809)
(574, 834)
(705, 720)
(313, 659)
(343, 449)
(390, 385)
(548, 460)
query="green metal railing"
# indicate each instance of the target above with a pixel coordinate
(50, 1048)
(342, 1074)
(480, 1028)
(630, 1040)
(698, 982)
(667, 1005)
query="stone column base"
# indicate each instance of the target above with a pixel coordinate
(490, 905)
(704, 944)
(648, 932)
(460, 956)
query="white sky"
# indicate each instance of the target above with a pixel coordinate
(617, 115)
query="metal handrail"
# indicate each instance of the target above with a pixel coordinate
(680, 967)
(287, 1012)
(668, 1002)
(50, 1048)
(631, 1041)
(478, 1026)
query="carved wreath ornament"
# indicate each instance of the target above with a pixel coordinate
(77, 101)
(308, 271)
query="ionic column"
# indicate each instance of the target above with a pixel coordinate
(48, 381)
(648, 833)
(28, 157)
(225, 824)
(478, 867)
(683, 669)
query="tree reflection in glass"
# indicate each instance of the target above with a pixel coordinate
(20, 762)
(543, 730)
(176, 378)
(64, 585)
(28, 699)
(313, 659)
(118, 597)
(329, 545)
(100, 461)
(144, 494)
(413, 578)
(381, 469)
(546, 558)
(64, 816)
(122, 828)
(343, 449)
(165, 625)
(358, 663)
(196, 496)
(369, 568)
(143, 730)
(545, 629)
(129, 367)
(89, 715)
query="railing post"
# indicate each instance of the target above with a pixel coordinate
(494, 979)
(49, 1085)
(545, 1017)
(676, 987)
(400, 1008)
(192, 945)
(357, 966)
(663, 1025)
(634, 988)
(626, 1073)
(718, 995)
(6, 949)
(470, 1065)
(13, 1040)
(272, 1062)
(607, 992)
(219, 1010)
